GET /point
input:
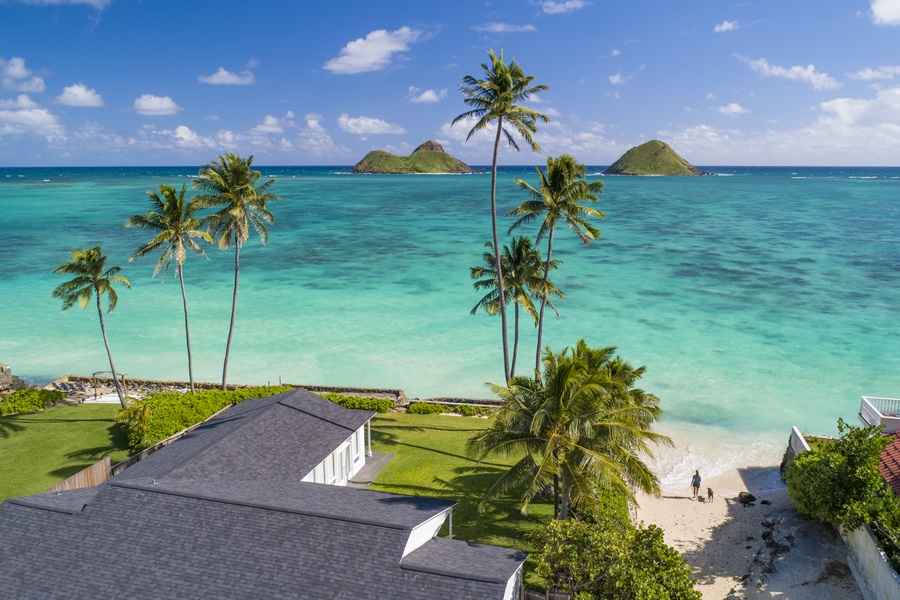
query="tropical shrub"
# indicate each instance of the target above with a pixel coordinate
(431, 408)
(28, 399)
(164, 414)
(427, 408)
(603, 554)
(839, 482)
(379, 405)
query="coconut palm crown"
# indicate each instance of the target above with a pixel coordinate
(498, 97)
(92, 279)
(523, 282)
(580, 428)
(175, 226)
(560, 196)
(232, 186)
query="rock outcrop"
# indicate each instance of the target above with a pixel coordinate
(429, 157)
(652, 158)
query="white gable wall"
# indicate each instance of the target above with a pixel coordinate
(343, 463)
(423, 532)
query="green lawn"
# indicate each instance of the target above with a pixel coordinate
(431, 461)
(38, 450)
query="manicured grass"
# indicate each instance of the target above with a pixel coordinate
(431, 461)
(38, 450)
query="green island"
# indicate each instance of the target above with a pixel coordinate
(427, 158)
(652, 158)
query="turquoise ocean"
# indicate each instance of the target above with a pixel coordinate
(758, 299)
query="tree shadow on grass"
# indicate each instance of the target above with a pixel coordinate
(502, 521)
(9, 425)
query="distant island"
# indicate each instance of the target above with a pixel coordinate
(652, 158)
(427, 158)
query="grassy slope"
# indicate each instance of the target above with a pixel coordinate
(421, 161)
(431, 461)
(38, 450)
(652, 158)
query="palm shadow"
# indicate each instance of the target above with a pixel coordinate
(9, 426)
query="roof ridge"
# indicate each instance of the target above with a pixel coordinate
(246, 419)
(155, 489)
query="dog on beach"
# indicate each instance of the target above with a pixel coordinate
(709, 494)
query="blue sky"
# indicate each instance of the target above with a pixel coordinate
(164, 82)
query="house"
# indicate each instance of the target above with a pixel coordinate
(233, 510)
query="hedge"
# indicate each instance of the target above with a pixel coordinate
(163, 414)
(430, 408)
(379, 405)
(29, 399)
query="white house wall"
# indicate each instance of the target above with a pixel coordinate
(420, 534)
(329, 472)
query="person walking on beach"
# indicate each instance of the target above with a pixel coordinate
(695, 483)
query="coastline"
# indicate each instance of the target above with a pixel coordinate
(723, 540)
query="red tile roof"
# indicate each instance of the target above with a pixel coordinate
(889, 465)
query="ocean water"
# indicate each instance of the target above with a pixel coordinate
(758, 299)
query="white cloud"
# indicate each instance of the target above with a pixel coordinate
(314, 122)
(80, 95)
(23, 101)
(732, 109)
(417, 96)
(148, 104)
(847, 131)
(316, 141)
(372, 53)
(185, 136)
(617, 79)
(886, 12)
(272, 124)
(504, 28)
(726, 26)
(15, 77)
(223, 77)
(807, 74)
(16, 121)
(869, 74)
(556, 8)
(367, 125)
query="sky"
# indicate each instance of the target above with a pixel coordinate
(292, 82)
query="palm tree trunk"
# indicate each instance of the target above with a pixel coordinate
(515, 352)
(540, 332)
(502, 297)
(556, 496)
(112, 367)
(187, 328)
(237, 263)
(563, 503)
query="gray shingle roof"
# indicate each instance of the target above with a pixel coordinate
(279, 438)
(176, 525)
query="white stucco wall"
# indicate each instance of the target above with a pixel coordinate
(874, 575)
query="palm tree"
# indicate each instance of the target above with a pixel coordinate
(497, 97)
(523, 280)
(173, 222)
(92, 278)
(233, 186)
(581, 428)
(561, 193)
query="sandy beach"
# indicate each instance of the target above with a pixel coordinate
(762, 550)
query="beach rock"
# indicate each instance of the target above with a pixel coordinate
(8, 381)
(746, 498)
